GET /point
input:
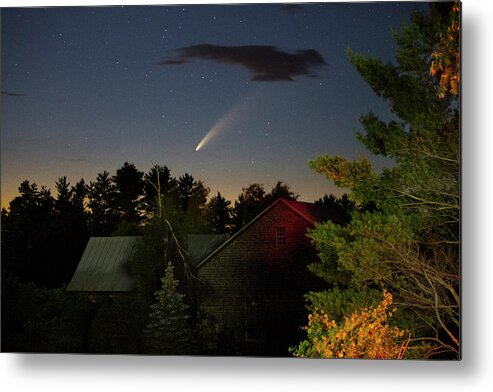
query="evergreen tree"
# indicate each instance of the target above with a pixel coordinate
(169, 331)
(408, 243)
(28, 236)
(280, 190)
(193, 219)
(340, 208)
(218, 214)
(79, 230)
(64, 195)
(159, 178)
(249, 204)
(253, 200)
(103, 218)
(129, 189)
(80, 215)
(185, 190)
(69, 229)
(79, 194)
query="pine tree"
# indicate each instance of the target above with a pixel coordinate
(103, 218)
(250, 203)
(129, 189)
(218, 214)
(159, 179)
(280, 190)
(408, 242)
(169, 331)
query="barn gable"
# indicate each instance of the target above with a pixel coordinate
(309, 212)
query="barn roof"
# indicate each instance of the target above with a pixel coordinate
(312, 213)
(199, 246)
(103, 266)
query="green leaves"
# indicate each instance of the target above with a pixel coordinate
(343, 172)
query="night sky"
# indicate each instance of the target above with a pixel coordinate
(85, 89)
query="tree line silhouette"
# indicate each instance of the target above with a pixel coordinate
(44, 235)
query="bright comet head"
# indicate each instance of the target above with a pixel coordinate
(224, 122)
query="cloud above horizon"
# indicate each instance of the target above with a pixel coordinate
(266, 63)
(291, 8)
(9, 94)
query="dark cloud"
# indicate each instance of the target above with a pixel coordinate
(174, 62)
(266, 63)
(291, 8)
(9, 94)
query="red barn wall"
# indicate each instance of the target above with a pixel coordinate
(250, 294)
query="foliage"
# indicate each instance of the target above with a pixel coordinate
(409, 241)
(129, 187)
(280, 190)
(169, 331)
(218, 214)
(365, 333)
(253, 200)
(117, 326)
(127, 229)
(42, 236)
(159, 185)
(446, 57)
(193, 219)
(103, 217)
(37, 319)
(26, 230)
(340, 302)
(340, 208)
(250, 203)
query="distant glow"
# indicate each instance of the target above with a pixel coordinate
(223, 123)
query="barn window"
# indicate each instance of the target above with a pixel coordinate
(280, 236)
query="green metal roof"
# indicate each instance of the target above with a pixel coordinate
(104, 265)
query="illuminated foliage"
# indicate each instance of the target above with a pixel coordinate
(446, 57)
(366, 333)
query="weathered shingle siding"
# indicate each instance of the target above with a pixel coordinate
(252, 283)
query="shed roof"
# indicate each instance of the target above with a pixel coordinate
(312, 213)
(103, 266)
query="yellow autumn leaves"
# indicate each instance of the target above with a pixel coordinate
(446, 57)
(366, 333)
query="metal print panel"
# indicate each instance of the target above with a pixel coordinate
(276, 180)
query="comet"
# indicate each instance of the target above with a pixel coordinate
(223, 123)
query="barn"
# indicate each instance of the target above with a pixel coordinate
(250, 289)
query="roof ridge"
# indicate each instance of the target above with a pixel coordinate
(286, 202)
(238, 233)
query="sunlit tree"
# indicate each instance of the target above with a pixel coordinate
(365, 333)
